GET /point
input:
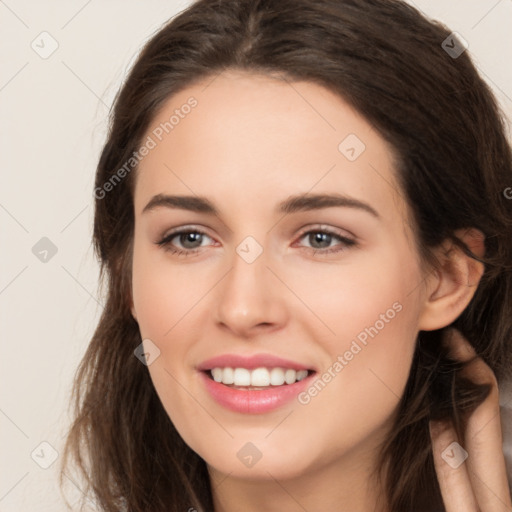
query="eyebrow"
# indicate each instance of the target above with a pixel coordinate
(298, 203)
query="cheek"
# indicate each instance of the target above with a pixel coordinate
(164, 300)
(372, 316)
(372, 290)
(362, 386)
(164, 294)
(369, 362)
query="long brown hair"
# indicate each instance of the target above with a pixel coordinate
(454, 166)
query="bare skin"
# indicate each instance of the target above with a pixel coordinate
(479, 484)
(249, 144)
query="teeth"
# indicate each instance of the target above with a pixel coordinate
(302, 374)
(241, 377)
(227, 376)
(289, 376)
(276, 377)
(217, 374)
(260, 377)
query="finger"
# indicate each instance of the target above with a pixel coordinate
(451, 470)
(483, 436)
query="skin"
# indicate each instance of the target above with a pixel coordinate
(250, 143)
(480, 483)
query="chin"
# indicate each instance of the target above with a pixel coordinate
(253, 461)
(261, 470)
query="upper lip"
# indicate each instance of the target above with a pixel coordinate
(250, 362)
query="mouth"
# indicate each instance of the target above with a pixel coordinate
(255, 391)
(256, 383)
(257, 379)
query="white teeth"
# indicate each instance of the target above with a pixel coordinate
(276, 377)
(228, 376)
(302, 374)
(259, 377)
(217, 374)
(241, 377)
(289, 376)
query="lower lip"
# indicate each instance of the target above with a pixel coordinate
(254, 401)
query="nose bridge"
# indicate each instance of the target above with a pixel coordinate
(248, 297)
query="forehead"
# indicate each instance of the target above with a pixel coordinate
(241, 136)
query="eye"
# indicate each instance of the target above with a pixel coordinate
(321, 239)
(187, 237)
(191, 240)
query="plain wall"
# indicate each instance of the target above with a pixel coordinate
(53, 119)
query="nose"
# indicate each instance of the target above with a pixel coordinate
(251, 299)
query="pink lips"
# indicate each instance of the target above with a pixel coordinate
(250, 362)
(249, 401)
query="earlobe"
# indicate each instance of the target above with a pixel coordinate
(450, 288)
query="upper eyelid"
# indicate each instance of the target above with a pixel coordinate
(184, 229)
(328, 229)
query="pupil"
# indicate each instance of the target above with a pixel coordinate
(190, 237)
(319, 237)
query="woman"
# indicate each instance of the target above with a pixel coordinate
(302, 216)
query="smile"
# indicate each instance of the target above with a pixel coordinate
(254, 384)
(245, 378)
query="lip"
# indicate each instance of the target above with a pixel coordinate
(251, 362)
(254, 401)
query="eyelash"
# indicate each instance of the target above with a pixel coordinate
(165, 242)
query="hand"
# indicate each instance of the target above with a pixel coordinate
(472, 473)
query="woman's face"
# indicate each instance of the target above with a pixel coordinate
(331, 285)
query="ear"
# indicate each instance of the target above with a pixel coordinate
(450, 288)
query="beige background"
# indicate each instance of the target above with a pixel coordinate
(53, 115)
